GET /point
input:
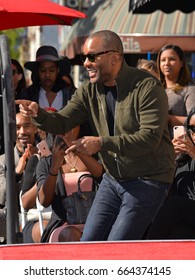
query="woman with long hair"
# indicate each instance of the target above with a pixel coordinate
(175, 77)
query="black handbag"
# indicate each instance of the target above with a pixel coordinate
(79, 203)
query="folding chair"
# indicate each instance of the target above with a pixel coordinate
(39, 213)
(44, 213)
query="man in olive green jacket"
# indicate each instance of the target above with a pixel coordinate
(127, 110)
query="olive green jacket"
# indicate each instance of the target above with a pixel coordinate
(141, 146)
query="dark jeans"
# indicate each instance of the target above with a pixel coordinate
(124, 210)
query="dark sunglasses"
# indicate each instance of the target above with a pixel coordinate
(191, 128)
(14, 72)
(92, 56)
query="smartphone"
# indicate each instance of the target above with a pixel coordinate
(178, 131)
(44, 149)
(58, 140)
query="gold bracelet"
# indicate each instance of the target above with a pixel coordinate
(52, 174)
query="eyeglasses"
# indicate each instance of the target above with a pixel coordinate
(191, 129)
(14, 71)
(92, 56)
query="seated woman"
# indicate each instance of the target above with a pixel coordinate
(31, 230)
(51, 189)
(175, 219)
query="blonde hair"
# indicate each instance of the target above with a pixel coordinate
(147, 65)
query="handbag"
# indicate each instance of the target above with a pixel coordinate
(71, 182)
(78, 204)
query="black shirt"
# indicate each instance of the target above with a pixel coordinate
(111, 96)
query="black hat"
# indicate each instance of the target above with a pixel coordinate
(44, 53)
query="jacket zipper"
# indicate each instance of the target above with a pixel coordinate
(115, 155)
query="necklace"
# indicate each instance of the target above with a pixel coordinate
(73, 166)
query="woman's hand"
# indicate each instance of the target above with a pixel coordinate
(58, 152)
(184, 145)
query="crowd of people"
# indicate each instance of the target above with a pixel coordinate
(118, 126)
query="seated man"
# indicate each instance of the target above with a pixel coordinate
(24, 148)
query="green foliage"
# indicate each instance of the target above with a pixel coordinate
(15, 37)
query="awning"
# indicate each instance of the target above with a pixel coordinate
(140, 33)
(167, 6)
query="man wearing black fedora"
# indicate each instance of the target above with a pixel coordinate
(48, 88)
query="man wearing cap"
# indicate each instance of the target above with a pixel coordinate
(48, 88)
